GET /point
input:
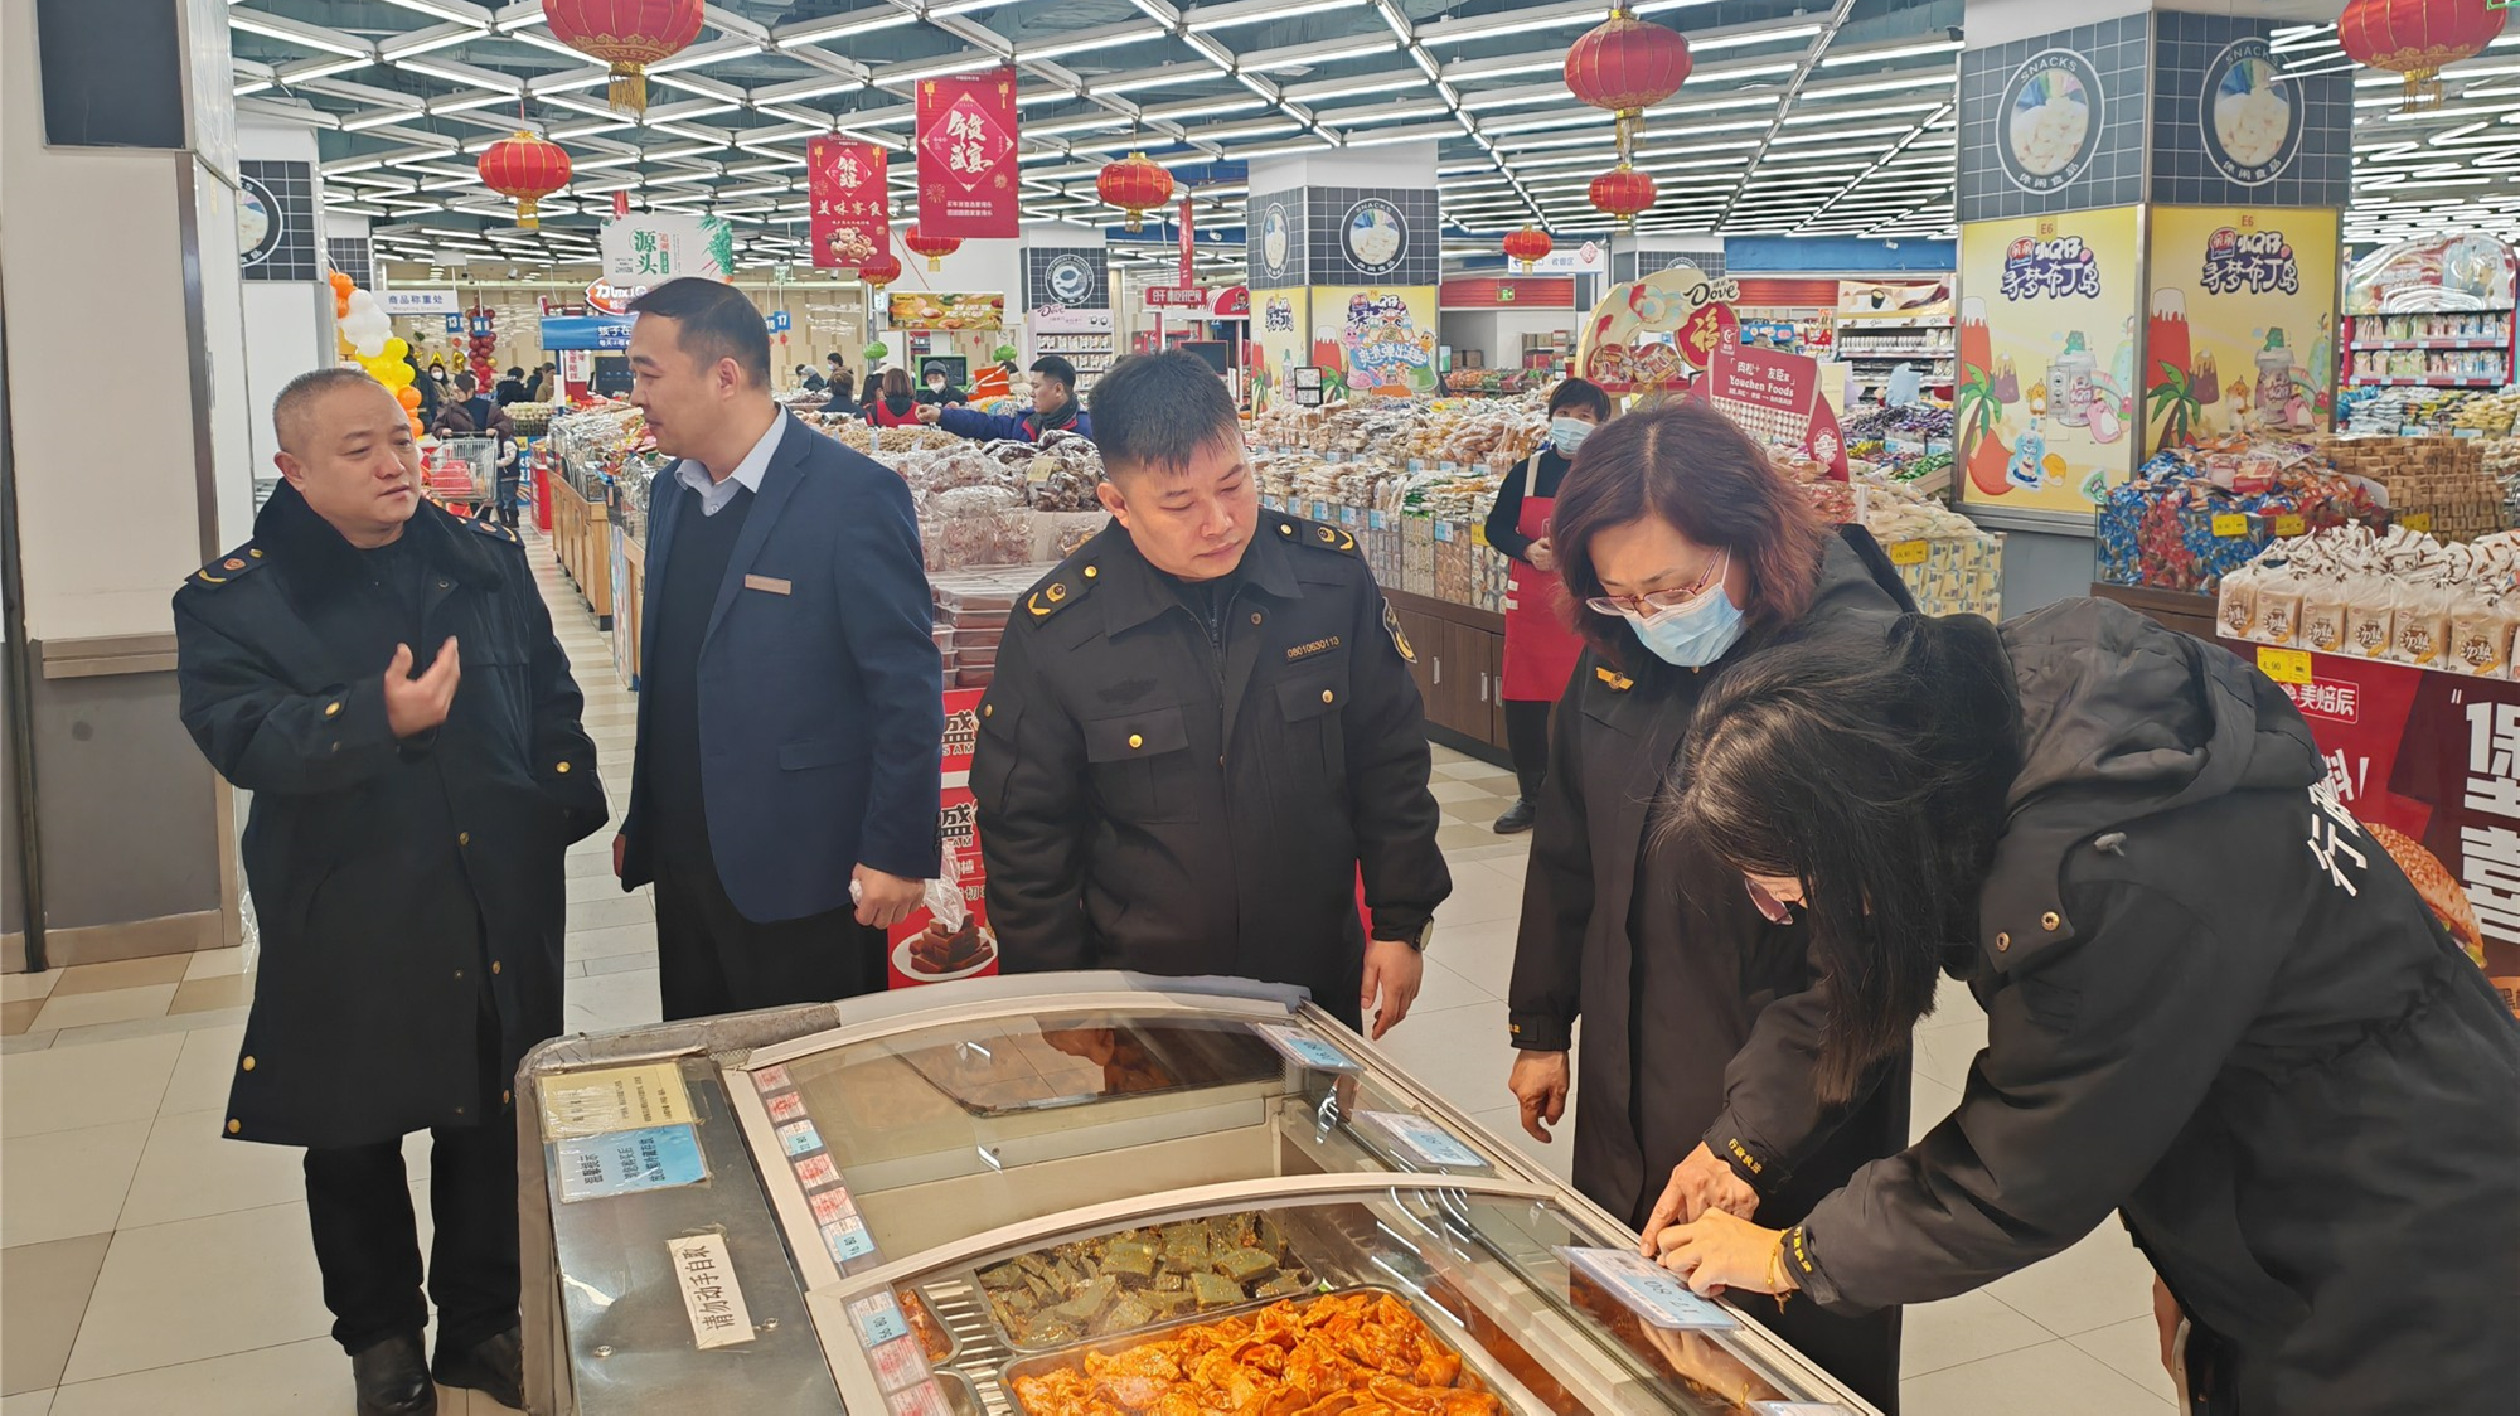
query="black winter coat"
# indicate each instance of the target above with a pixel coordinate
(386, 875)
(2215, 1005)
(1154, 799)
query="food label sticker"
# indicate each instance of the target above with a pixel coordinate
(1307, 1050)
(771, 1079)
(1652, 1292)
(878, 1320)
(711, 1297)
(613, 1099)
(815, 1171)
(786, 1107)
(798, 1137)
(899, 1363)
(2416, 521)
(2231, 523)
(831, 1205)
(1424, 1139)
(1910, 553)
(922, 1400)
(625, 1162)
(2291, 523)
(2284, 665)
(847, 1240)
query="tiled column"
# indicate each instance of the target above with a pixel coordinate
(1346, 253)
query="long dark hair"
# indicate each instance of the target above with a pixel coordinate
(1876, 775)
(1692, 467)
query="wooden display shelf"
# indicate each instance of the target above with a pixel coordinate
(581, 535)
(1459, 671)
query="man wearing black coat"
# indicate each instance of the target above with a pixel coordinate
(404, 852)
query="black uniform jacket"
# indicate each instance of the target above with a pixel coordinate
(2214, 1004)
(1665, 1012)
(371, 982)
(1151, 799)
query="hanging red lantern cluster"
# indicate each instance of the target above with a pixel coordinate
(1137, 185)
(1529, 246)
(935, 248)
(1627, 65)
(880, 269)
(2417, 37)
(528, 167)
(1623, 192)
(627, 34)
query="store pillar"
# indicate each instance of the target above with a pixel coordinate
(128, 464)
(1068, 301)
(1346, 253)
(2150, 213)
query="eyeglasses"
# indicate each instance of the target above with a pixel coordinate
(1646, 606)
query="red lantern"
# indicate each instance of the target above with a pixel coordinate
(935, 248)
(1623, 192)
(527, 167)
(2416, 38)
(1627, 66)
(627, 34)
(1137, 185)
(880, 269)
(1528, 245)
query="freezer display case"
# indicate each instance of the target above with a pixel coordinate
(1075, 1195)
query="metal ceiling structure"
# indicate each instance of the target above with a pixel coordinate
(1800, 118)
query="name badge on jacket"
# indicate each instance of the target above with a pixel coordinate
(772, 584)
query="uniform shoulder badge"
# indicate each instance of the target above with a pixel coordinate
(1616, 682)
(1399, 640)
(243, 560)
(493, 530)
(1318, 535)
(1061, 588)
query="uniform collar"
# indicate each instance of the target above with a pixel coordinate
(308, 545)
(1135, 592)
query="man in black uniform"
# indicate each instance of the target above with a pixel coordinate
(1202, 725)
(404, 852)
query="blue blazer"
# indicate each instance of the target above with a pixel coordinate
(822, 714)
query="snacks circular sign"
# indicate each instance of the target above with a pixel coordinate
(1070, 280)
(1376, 236)
(2251, 117)
(2052, 112)
(257, 221)
(1277, 235)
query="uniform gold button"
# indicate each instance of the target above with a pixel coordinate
(459, 1111)
(463, 838)
(1285, 530)
(1255, 616)
(255, 554)
(988, 710)
(235, 1125)
(2002, 942)
(563, 767)
(494, 966)
(1329, 696)
(459, 973)
(2050, 921)
(1091, 572)
(505, 1098)
(1136, 741)
(330, 709)
(247, 1064)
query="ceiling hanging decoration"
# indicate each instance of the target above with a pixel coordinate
(2416, 38)
(528, 167)
(627, 34)
(1623, 192)
(1628, 65)
(1136, 184)
(1530, 246)
(935, 248)
(880, 269)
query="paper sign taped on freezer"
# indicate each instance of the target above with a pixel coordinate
(711, 1297)
(1659, 1296)
(1424, 1139)
(1302, 1047)
(625, 1162)
(613, 1099)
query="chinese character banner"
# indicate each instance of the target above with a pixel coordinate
(2046, 401)
(2242, 323)
(851, 218)
(966, 142)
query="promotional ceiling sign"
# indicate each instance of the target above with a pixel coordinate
(966, 145)
(1894, 301)
(921, 309)
(604, 297)
(850, 219)
(2432, 273)
(2250, 120)
(652, 247)
(2046, 405)
(1656, 333)
(419, 302)
(1775, 397)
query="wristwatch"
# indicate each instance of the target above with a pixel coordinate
(1425, 935)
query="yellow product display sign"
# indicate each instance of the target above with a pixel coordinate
(576, 1104)
(2416, 521)
(2231, 523)
(1909, 553)
(2284, 665)
(2291, 524)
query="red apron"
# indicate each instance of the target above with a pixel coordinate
(1540, 649)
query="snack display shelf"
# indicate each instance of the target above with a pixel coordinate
(1022, 1195)
(2453, 344)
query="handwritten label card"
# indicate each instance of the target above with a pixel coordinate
(711, 1297)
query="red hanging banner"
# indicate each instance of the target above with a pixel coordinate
(966, 142)
(1188, 237)
(851, 216)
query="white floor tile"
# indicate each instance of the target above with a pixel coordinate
(310, 1378)
(1968, 1328)
(19, 987)
(619, 939)
(204, 1071)
(2133, 1350)
(1444, 988)
(1557, 1157)
(1482, 953)
(609, 1001)
(33, 1403)
(118, 1005)
(201, 1288)
(2101, 1281)
(62, 1184)
(215, 963)
(1929, 1101)
(2051, 1379)
(1944, 1055)
(1465, 1048)
(63, 1089)
(1480, 894)
(192, 1170)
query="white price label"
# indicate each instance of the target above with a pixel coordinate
(1423, 1138)
(1308, 1050)
(1649, 1290)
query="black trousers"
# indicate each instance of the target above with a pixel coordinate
(711, 959)
(1527, 740)
(367, 1243)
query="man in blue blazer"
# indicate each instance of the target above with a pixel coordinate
(791, 717)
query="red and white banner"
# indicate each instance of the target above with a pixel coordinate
(1775, 397)
(851, 216)
(1188, 238)
(966, 142)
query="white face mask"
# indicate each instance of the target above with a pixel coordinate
(1568, 434)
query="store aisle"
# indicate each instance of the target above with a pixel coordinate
(151, 1266)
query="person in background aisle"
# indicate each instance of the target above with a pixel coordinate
(454, 420)
(512, 389)
(791, 715)
(840, 397)
(938, 388)
(1202, 726)
(1691, 556)
(897, 406)
(546, 385)
(835, 368)
(1540, 646)
(808, 380)
(430, 399)
(384, 680)
(511, 465)
(1054, 410)
(480, 405)
(2214, 1004)
(437, 375)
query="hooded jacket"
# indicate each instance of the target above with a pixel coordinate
(2216, 1005)
(1027, 426)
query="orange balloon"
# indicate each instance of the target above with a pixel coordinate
(341, 284)
(408, 397)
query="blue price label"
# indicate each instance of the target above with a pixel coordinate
(1424, 1139)
(1649, 1290)
(799, 1138)
(1308, 1050)
(847, 1239)
(625, 1162)
(878, 1321)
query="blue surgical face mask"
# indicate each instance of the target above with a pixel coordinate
(1568, 434)
(1696, 634)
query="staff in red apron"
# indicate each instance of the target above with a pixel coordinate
(1540, 646)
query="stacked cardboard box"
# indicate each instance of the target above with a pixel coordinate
(2436, 484)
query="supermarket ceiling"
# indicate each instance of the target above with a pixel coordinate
(1801, 118)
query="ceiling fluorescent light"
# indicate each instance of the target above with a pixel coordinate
(297, 32)
(1875, 56)
(379, 120)
(1230, 15)
(1331, 55)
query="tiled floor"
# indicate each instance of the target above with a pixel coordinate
(151, 1266)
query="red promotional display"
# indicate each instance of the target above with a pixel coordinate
(948, 937)
(851, 216)
(966, 141)
(2431, 762)
(1775, 396)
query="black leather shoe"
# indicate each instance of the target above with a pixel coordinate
(1517, 818)
(494, 1366)
(392, 1378)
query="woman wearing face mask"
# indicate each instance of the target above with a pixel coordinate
(1540, 648)
(1686, 555)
